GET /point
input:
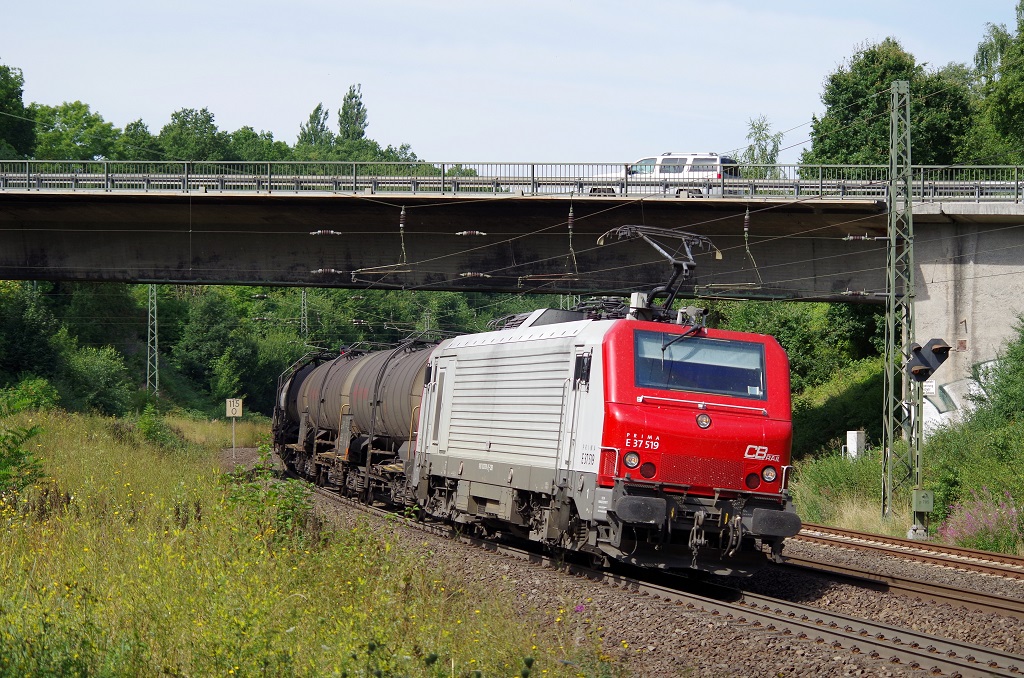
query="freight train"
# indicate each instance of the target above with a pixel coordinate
(657, 443)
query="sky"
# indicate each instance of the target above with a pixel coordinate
(479, 80)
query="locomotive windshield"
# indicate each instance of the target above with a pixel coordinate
(667, 361)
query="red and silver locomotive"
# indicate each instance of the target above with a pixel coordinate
(662, 444)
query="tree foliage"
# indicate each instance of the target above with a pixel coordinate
(763, 149)
(17, 129)
(855, 126)
(193, 135)
(248, 144)
(72, 131)
(352, 116)
(136, 143)
(314, 132)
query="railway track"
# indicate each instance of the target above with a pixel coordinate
(911, 588)
(986, 562)
(892, 644)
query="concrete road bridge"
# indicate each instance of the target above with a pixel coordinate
(778, 232)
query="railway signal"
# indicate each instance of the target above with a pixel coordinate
(925, 360)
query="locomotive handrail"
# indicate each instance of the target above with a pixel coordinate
(702, 404)
(412, 429)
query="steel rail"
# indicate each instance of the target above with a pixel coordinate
(911, 588)
(895, 645)
(1000, 564)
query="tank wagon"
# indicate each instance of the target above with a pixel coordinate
(661, 444)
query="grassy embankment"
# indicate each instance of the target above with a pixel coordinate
(975, 467)
(143, 559)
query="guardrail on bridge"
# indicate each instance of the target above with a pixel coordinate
(783, 182)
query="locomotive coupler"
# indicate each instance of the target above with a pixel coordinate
(734, 528)
(697, 536)
(734, 535)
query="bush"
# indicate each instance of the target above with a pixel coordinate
(92, 379)
(282, 508)
(19, 467)
(154, 430)
(1002, 387)
(819, 484)
(985, 449)
(987, 521)
(31, 393)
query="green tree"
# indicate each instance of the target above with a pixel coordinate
(193, 135)
(92, 379)
(991, 51)
(101, 314)
(27, 325)
(1002, 386)
(250, 145)
(855, 126)
(17, 129)
(352, 116)
(314, 133)
(1006, 93)
(206, 335)
(136, 143)
(71, 131)
(762, 150)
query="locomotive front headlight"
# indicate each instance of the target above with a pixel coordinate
(769, 474)
(703, 420)
(631, 460)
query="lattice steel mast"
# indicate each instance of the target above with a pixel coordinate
(152, 347)
(902, 395)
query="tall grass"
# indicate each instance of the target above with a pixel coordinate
(141, 560)
(847, 493)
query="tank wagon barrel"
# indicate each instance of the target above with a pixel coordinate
(379, 390)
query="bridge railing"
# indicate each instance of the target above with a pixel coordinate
(783, 181)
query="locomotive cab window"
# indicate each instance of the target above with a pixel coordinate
(724, 367)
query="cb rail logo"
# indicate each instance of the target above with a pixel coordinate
(759, 452)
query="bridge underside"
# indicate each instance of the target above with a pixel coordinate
(508, 244)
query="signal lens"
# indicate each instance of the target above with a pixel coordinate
(647, 470)
(769, 474)
(703, 420)
(631, 460)
(753, 481)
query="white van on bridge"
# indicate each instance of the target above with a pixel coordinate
(685, 175)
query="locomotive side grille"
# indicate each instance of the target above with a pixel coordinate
(686, 470)
(510, 402)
